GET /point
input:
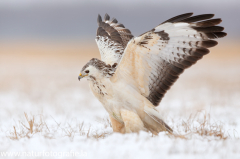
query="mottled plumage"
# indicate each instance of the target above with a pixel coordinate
(134, 74)
(111, 39)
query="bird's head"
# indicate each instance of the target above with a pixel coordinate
(96, 69)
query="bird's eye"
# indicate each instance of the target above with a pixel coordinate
(87, 71)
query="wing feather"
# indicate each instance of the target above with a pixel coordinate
(178, 18)
(152, 62)
(111, 39)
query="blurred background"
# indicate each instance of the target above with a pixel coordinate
(44, 44)
(76, 19)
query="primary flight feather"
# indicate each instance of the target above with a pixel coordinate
(134, 73)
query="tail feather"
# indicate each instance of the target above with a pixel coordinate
(156, 117)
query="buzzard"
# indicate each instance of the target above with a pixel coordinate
(134, 73)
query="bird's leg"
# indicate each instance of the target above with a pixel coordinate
(132, 121)
(117, 126)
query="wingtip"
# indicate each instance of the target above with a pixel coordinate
(99, 19)
(211, 15)
(209, 43)
(224, 34)
(106, 17)
(114, 20)
(189, 14)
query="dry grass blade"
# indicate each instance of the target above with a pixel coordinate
(37, 124)
(80, 129)
(101, 135)
(200, 124)
(30, 123)
(15, 136)
(88, 133)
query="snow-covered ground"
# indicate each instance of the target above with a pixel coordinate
(203, 105)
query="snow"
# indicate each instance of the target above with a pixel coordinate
(60, 104)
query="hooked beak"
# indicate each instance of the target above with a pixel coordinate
(80, 76)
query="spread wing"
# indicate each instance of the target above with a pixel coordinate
(153, 61)
(111, 39)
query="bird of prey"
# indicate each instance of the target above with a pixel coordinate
(134, 73)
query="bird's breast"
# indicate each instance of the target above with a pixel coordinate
(101, 90)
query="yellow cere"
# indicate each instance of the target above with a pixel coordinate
(80, 74)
